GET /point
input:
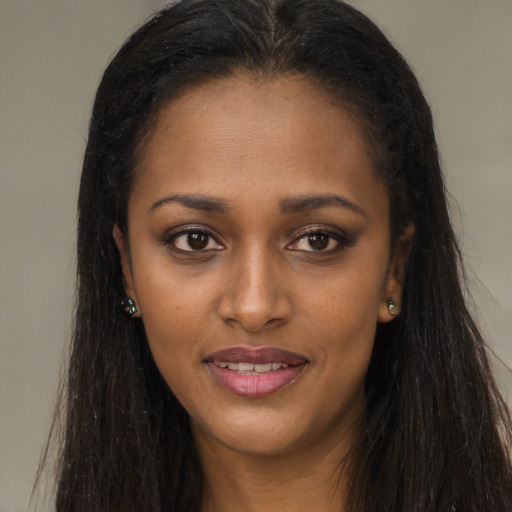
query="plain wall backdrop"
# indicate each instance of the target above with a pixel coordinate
(52, 54)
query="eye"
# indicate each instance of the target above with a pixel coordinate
(318, 241)
(194, 240)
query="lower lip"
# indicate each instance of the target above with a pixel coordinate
(255, 386)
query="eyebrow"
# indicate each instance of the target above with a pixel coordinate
(288, 205)
(315, 202)
(196, 202)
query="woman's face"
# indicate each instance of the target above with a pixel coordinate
(259, 252)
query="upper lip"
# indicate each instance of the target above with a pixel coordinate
(260, 355)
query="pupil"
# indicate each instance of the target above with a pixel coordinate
(197, 241)
(318, 242)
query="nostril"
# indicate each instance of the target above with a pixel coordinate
(253, 298)
(253, 317)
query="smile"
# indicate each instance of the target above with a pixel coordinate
(255, 373)
(251, 369)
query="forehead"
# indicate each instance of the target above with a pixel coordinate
(286, 104)
(249, 131)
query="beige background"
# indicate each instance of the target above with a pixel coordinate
(52, 55)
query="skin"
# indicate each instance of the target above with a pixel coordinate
(252, 144)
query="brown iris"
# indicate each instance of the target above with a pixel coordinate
(318, 242)
(197, 241)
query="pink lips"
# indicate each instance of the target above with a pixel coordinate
(256, 384)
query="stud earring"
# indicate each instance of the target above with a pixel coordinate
(129, 306)
(391, 307)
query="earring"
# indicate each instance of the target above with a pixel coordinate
(391, 307)
(129, 306)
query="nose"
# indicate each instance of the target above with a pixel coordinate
(254, 296)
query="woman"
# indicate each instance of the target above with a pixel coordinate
(261, 192)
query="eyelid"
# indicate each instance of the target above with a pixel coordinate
(171, 235)
(336, 234)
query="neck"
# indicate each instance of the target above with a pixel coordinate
(308, 480)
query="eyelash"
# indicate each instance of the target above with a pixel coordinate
(338, 237)
(187, 232)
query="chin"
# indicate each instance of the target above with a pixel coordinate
(251, 439)
(265, 433)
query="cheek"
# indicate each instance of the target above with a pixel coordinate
(176, 314)
(170, 296)
(348, 300)
(348, 333)
(343, 316)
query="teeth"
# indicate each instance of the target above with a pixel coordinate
(260, 368)
(251, 369)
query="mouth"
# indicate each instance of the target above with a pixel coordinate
(251, 369)
(255, 373)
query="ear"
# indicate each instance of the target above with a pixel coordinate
(125, 266)
(391, 299)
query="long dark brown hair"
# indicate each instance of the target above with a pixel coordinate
(437, 433)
